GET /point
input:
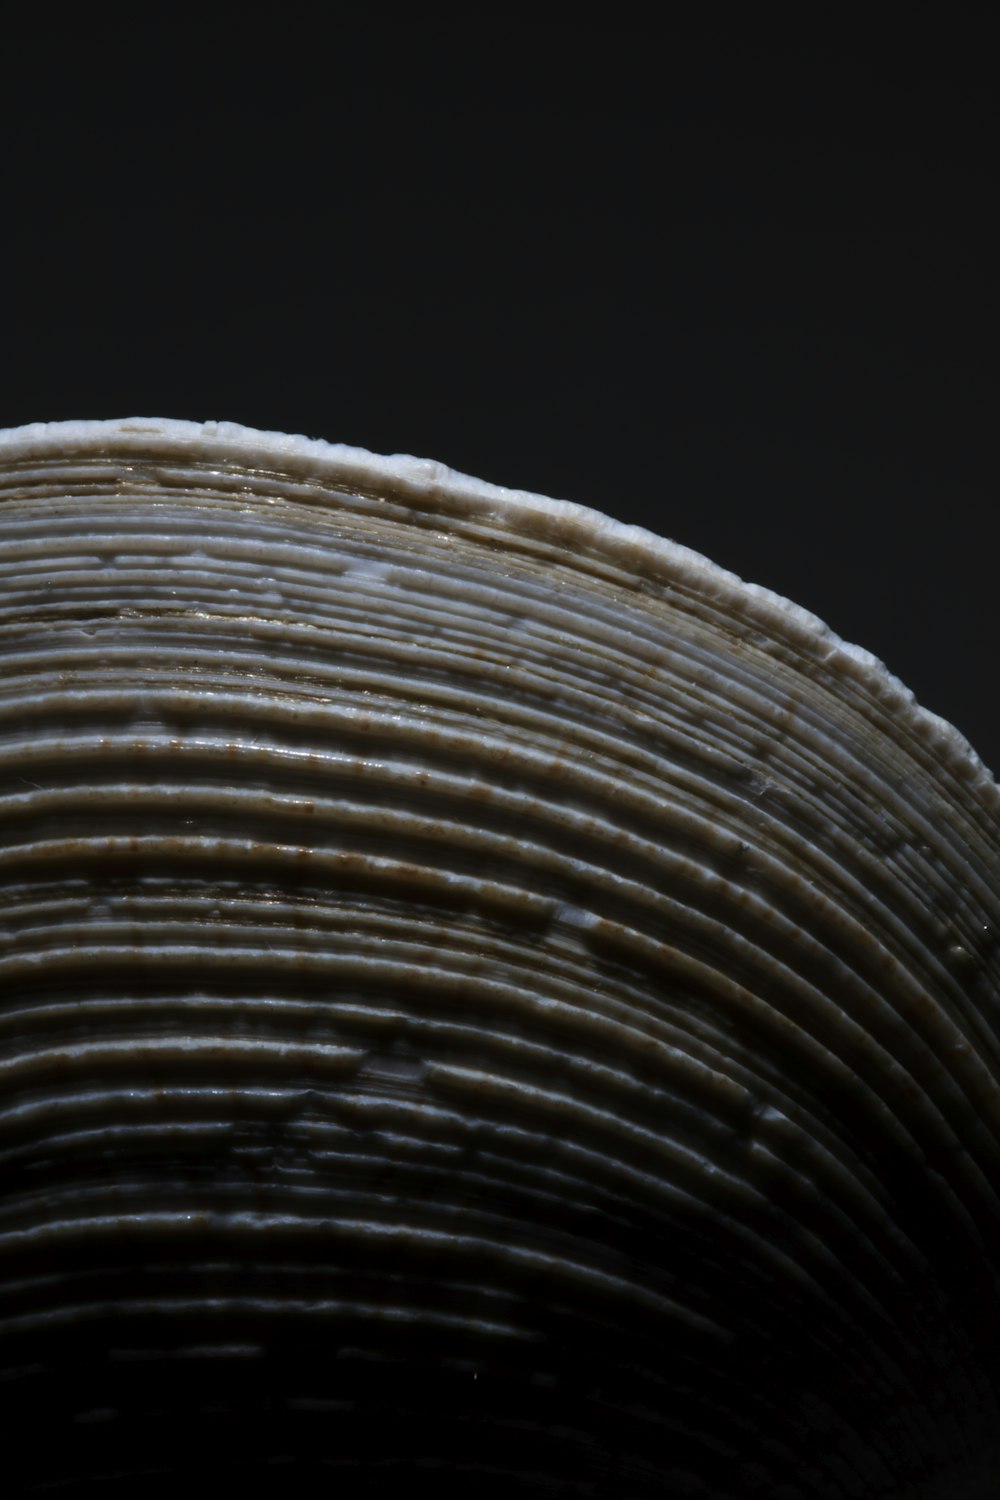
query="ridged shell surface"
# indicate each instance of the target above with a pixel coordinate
(486, 1000)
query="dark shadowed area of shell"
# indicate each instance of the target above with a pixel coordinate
(485, 1000)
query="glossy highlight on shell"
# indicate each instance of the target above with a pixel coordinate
(486, 998)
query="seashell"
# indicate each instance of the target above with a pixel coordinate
(486, 996)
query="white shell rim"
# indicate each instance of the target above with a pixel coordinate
(517, 511)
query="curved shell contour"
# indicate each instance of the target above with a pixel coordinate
(484, 995)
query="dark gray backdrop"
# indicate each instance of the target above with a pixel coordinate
(735, 280)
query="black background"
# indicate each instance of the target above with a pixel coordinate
(731, 274)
